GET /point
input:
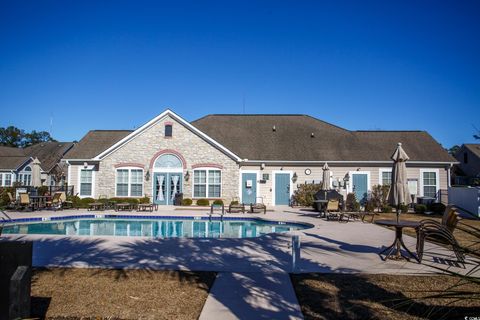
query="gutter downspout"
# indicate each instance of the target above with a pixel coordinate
(449, 183)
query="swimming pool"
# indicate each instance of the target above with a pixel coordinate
(152, 227)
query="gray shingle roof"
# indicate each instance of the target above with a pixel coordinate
(49, 153)
(474, 148)
(95, 142)
(252, 137)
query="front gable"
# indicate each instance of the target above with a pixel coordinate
(157, 124)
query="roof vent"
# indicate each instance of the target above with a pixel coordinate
(274, 129)
(312, 135)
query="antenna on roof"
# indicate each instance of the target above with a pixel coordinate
(51, 124)
(243, 101)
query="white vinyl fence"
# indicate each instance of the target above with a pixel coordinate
(467, 198)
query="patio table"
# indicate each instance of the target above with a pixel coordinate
(39, 202)
(394, 251)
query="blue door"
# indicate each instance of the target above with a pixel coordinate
(249, 188)
(360, 186)
(282, 189)
(165, 186)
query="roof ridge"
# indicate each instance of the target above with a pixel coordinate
(112, 130)
(389, 131)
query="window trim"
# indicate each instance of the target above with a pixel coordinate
(165, 130)
(4, 181)
(129, 183)
(380, 174)
(437, 172)
(90, 168)
(207, 169)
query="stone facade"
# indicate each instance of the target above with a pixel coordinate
(145, 147)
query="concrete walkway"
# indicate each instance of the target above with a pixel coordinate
(252, 296)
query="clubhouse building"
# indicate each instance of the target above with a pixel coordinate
(249, 158)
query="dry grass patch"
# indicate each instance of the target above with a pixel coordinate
(335, 296)
(119, 294)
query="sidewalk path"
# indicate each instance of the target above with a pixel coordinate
(252, 296)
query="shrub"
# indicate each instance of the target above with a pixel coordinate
(83, 203)
(75, 200)
(420, 208)
(351, 203)
(42, 190)
(4, 199)
(218, 202)
(370, 206)
(144, 200)
(387, 209)
(187, 202)
(124, 200)
(379, 195)
(403, 208)
(437, 208)
(304, 195)
(203, 202)
(234, 202)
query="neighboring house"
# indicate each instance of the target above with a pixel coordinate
(247, 157)
(15, 163)
(468, 156)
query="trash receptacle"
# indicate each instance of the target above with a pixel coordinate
(177, 201)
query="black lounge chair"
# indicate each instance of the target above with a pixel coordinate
(440, 232)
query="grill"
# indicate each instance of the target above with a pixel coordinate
(327, 195)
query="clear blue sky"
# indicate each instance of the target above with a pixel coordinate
(117, 64)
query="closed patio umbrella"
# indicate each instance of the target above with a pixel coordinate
(326, 177)
(398, 193)
(36, 175)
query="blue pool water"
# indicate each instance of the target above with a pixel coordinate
(154, 228)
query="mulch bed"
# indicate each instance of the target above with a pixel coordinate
(346, 296)
(118, 294)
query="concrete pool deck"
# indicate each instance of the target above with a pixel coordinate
(329, 246)
(252, 280)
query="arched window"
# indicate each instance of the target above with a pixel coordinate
(168, 161)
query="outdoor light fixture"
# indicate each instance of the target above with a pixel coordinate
(262, 166)
(294, 177)
(187, 176)
(147, 175)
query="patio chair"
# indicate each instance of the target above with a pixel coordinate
(147, 207)
(333, 210)
(13, 203)
(436, 231)
(25, 202)
(236, 207)
(440, 231)
(258, 207)
(56, 202)
(67, 204)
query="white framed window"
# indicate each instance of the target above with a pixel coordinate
(129, 182)
(8, 179)
(207, 183)
(86, 182)
(25, 176)
(430, 182)
(385, 176)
